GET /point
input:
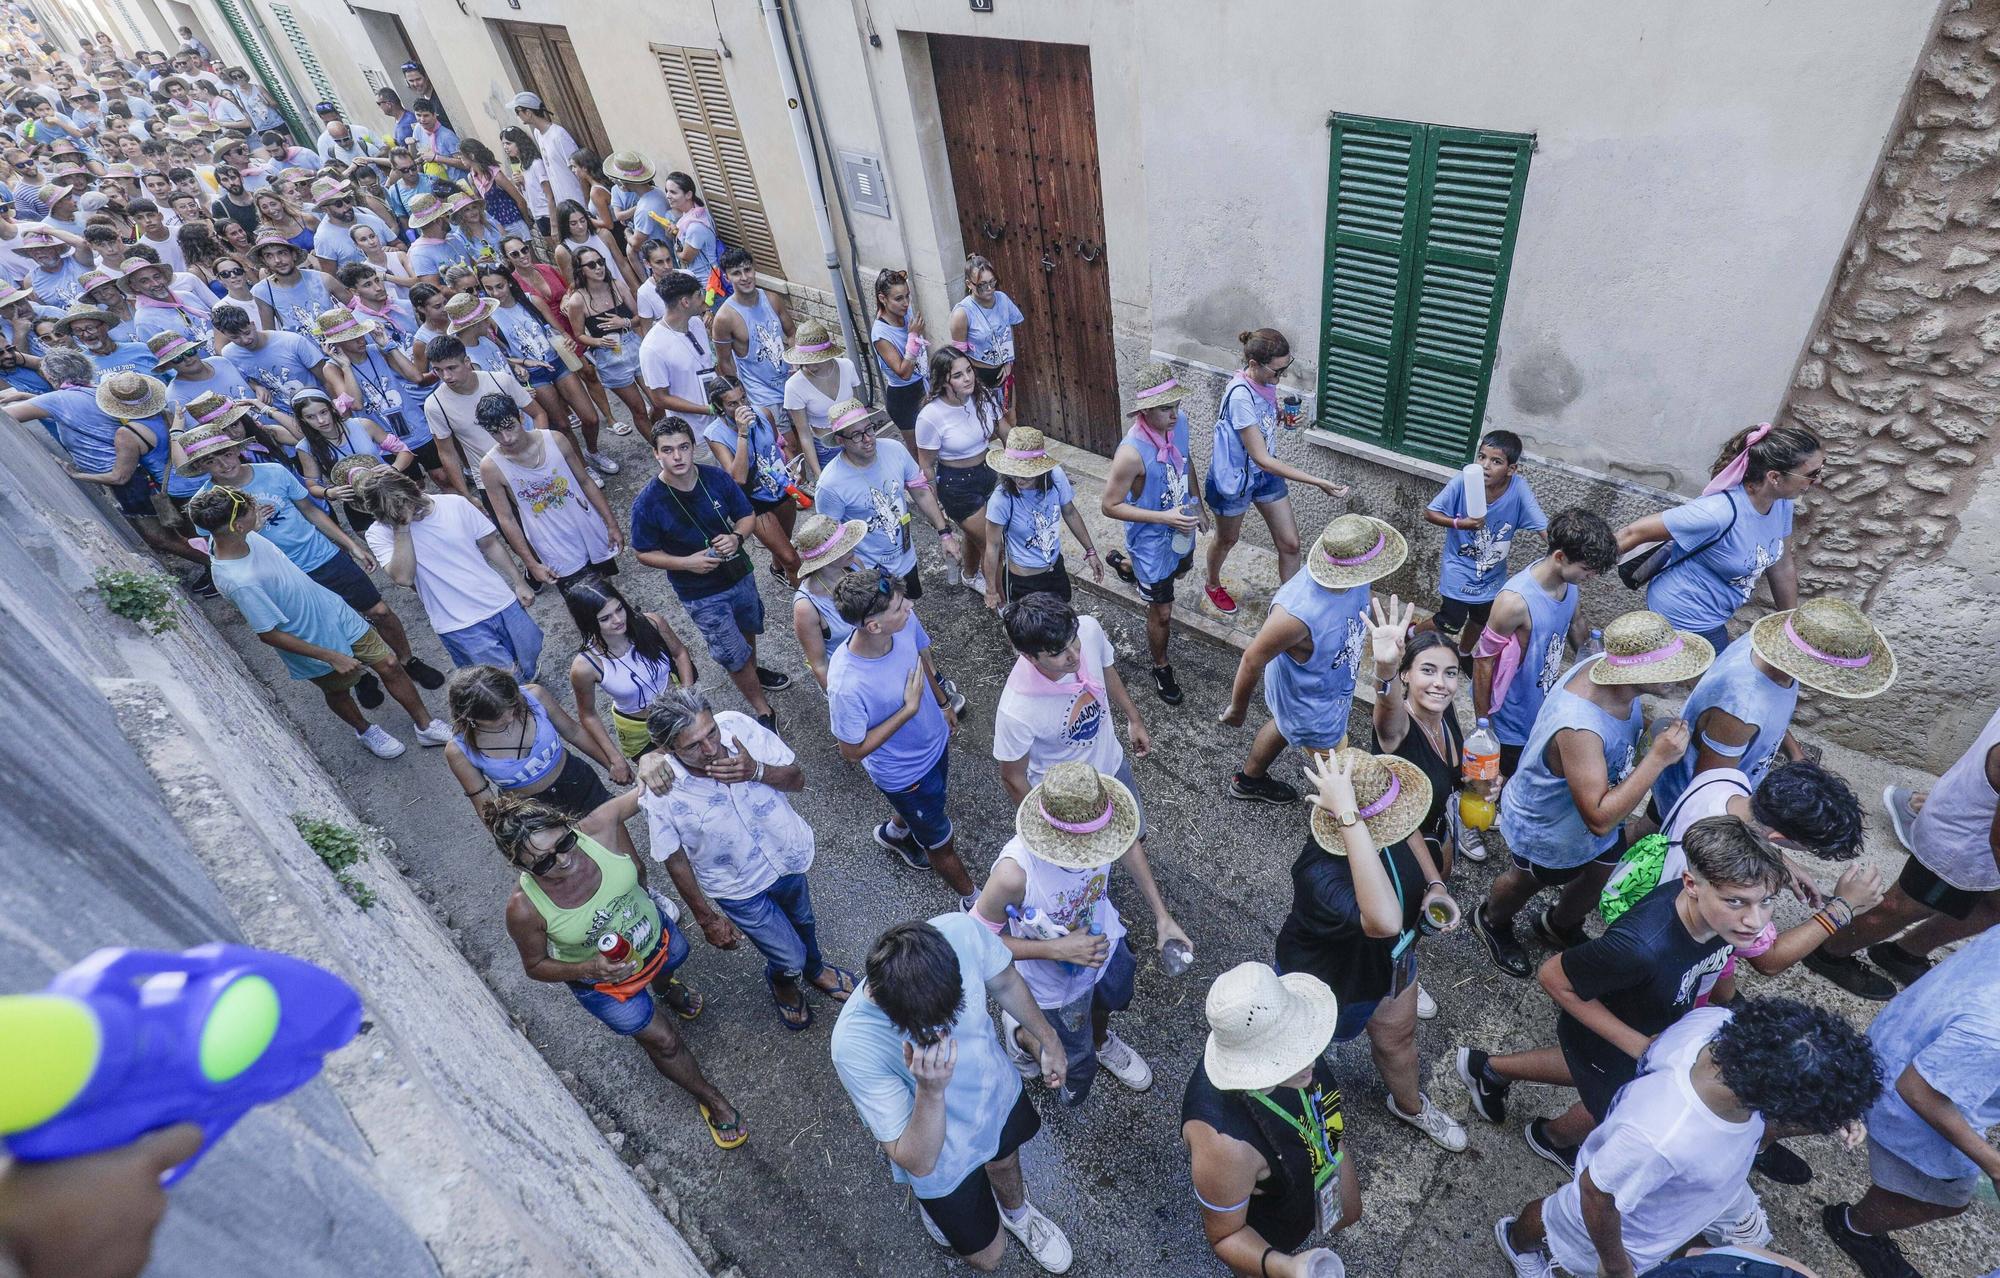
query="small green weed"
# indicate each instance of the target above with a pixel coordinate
(145, 598)
(340, 848)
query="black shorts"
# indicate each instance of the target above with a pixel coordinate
(963, 490)
(344, 577)
(1510, 760)
(913, 584)
(1923, 886)
(577, 791)
(1053, 581)
(427, 456)
(1452, 614)
(135, 496)
(608, 568)
(763, 505)
(968, 1216)
(1162, 591)
(1548, 876)
(903, 403)
(1596, 1068)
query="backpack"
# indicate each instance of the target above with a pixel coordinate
(1638, 870)
(1230, 479)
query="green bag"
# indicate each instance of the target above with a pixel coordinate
(1636, 875)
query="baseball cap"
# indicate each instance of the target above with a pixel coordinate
(326, 108)
(528, 100)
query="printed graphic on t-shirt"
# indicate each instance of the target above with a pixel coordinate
(1766, 556)
(890, 512)
(1552, 657)
(1045, 530)
(1085, 715)
(1625, 768)
(1173, 487)
(767, 345)
(1357, 642)
(1691, 980)
(1075, 908)
(543, 494)
(1487, 548)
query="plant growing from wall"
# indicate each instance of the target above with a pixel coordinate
(144, 598)
(340, 848)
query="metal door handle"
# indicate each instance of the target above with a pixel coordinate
(992, 230)
(1089, 252)
(1049, 262)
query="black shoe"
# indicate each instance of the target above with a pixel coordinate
(1852, 975)
(773, 680)
(1783, 1166)
(1554, 937)
(1503, 946)
(426, 675)
(1875, 1255)
(1536, 1133)
(1266, 788)
(1905, 968)
(368, 692)
(905, 847)
(204, 586)
(1119, 564)
(768, 722)
(1166, 685)
(1488, 1093)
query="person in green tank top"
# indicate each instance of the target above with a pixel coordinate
(574, 891)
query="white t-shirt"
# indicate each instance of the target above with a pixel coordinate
(1708, 794)
(1672, 1165)
(1061, 723)
(458, 587)
(556, 146)
(670, 361)
(800, 393)
(956, 433)
(453, 415)
(647, 300)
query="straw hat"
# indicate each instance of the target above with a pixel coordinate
(628, 166)
(129, 396)
(327, 189)
(121, 171)
(1078, 817)
(814, 343)
(1263, 1028)
(1392, 795)
(849, 413)
(215, 410)
(1024, 456)
(90, 281)
(10, 294)
(423, 210)
(39, 237)
(1829, 646)
(1641, 647)
(345, 470)
(271, 239)
(168, 345)
(203, 442)
(1354, 550)
(133, 265)
(1155, 386)
(464, 310)
(79, 311)
(460, 201)
(342, 325)
(820, 541)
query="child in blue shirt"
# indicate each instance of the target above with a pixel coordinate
(1473, 567)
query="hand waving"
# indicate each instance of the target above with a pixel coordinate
(1389, 628)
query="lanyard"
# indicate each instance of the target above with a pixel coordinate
(1404, 941)
(1312, 1130)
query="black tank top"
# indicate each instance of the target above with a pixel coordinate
(1284, 1208)
(1443, 774)
(592, 320)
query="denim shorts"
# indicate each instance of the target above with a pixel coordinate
(547, 374)
(1113, 993)
(635, 1013)
(620, 368)
(1354, 1017)
(1268, 488)
(725, 618)
(135, 496)
(921, 806)
(509, 639)
(963, 490)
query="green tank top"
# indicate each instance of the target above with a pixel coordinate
(619, 905)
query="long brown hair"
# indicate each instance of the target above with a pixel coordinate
(482, 692)
(1782, 449)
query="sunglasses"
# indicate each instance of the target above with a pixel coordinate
(543, 864)
(230, 275)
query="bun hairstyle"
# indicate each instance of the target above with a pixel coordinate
(1783, 449)
(976, 265)
(1261, 346)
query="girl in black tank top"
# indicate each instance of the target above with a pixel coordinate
(1284, 1208)
(1415, 684)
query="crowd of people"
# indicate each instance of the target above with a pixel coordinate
(393, 355)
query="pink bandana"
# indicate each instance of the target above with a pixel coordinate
(1732, 474)
(1163, 445)
(1029, 681)
(1269, 394)
(1645, 658)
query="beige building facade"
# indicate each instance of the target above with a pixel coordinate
(1623, 231)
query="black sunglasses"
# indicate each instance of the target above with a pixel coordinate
(547, 861)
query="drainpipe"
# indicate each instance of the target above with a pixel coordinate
(774, 21)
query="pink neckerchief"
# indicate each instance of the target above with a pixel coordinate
(1269, 394)
(156, 303)
(699, 213)
(388, 304)
(1026, 679)
(1162, 444)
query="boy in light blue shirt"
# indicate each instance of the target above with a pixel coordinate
(1473, 568)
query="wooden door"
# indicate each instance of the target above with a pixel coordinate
(1020, 130)
(549, 69)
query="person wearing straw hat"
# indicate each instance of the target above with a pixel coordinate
(1581, 776)
(158, 308)
(1026, 513)
(1363, 890)
(1262, 1123)
(826, 554)
(916, 1053)
(195, 374)
(468, 317)
(389, 384)
(476, 239)
(99, 290)
(1154, 489)
(61, 259)
(558, 522)
(333, 238)
(429, 252)
(878, 480)
(289, 298)
(1054, 875)
(90, 327)
(637, 203)
(20, 349)
(822, 376)
(283, 363)
(1309, 651)
(956, 428)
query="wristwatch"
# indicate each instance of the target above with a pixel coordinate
(1346, 819)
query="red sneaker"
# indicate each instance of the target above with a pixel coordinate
(1224, 602)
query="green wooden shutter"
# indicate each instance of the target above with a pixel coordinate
(1420, 235)
(260, 62)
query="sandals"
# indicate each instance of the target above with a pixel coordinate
(793, 1016)
(847, 983)
(693, 1001)
(1119, 564)
(617, 427)
(740, 1129)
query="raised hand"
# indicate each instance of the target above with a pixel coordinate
(1389, 629)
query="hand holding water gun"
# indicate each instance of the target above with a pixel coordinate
(799, 496)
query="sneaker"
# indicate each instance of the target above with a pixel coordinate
(976, 583)
(1165, 684)
(773, 680)
(1875, 1255)
(427, 675)
(966, 902)
(1902, 816)
(1527, 1264)
(1427, 1007)
(1432, 1122)
(369, 691)
(1040, 1236)
(1782, 1166)
(1905, 968)
(1502, 945)
(1125, 1065)
(930, 1227)
(1267, 789)
(379, 742)
(1024, 1064)
(435, 733)
(904, 846)
(1488, 1091)
(1754, 1230)
(768, 722)
(1470, 845)
(204, 586)
(1221, 600)
(1852, 975)
(605, 464)
(1536, 1133)
(952, 696)
(1557, 938)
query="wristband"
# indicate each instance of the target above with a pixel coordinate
(1090, 553)
(1434, 883)
(1264, 1262)
(759, 776)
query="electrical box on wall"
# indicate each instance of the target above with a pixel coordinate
(982, 6)
(861, 176)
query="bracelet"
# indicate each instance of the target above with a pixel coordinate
(1434, 883)
(759, 776)
(1090, 553)
(944, 531)
(1264, 1262)
(1825, 919)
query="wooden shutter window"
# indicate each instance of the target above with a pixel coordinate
(260, 62)
(716, 151)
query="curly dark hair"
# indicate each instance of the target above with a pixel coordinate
(1801, 1067)
(1811, 806)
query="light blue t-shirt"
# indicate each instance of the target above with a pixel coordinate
(1735, 686)
(390, 398)
(898, 336)
(878, 495)
(283, 365)
(868, 1056)
(223, 379)
(1948, 1026)
(989, 330)
(1474, 565)
(1162, 487)
(57, 288)
(1702, 591)
(134, 356)
(298, 306)
(707, 248)
(273, 593)
(335, 242)
(430, 257)
(1538, 816)
(650, 200)
(863, 691)
(291, 532)
(87, 433)
(1032, 520)
(1309, 700)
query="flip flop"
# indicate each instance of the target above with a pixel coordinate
(694, 1001)
(1122, 566)
(716, 1129)
(617, 427)
(847, 985)
(794, 1016)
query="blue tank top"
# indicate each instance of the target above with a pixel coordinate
(897, 336)
(832, 626)
(1738, 688)
(762, 369)
(1541, 657)
(154, 459)
(1309, 700)
(1161, 487)
(544, 757)
(1538, 816)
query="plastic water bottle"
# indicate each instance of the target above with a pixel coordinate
(1183, 540)
(1482, 754)
(1176, 957)
(1475, 490)
(1594, 648)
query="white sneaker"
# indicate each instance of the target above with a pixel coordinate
(1470, 845)
(604, 463)
(977, 582)
(436, 733)
(1527, 1264)
(1024, 1064)
(380, 743)
(1124, 1064)
(1426, 1006)
(1754, 1230)
(1040, 1236)
(1432, 1122)
(930, 1227)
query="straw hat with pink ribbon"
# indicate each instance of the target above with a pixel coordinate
(464, 311)
(1024, 456)
(1392, 796)
(169, 346)
(1355, 550)
(814, 343)
(820, 541)
(339, 324)
(1644, 647)
(1155, 386)
(214, 439)
(849, 413)
(1829, 646)
(1078, 817)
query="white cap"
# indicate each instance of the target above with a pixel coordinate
(527, 100)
